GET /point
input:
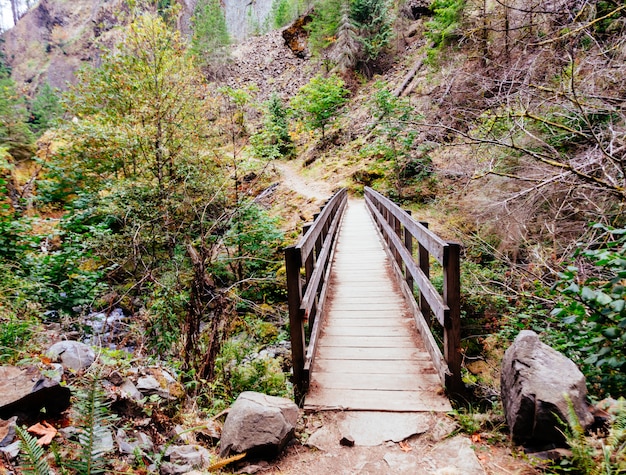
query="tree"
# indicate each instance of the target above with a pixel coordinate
(135, 151)
(140, 116)
(372, 19)
(44, 110)
(319, 101)
(346, 53)
(14, 133)
(210, 34)
(273, 140)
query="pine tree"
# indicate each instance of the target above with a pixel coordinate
(347, 47)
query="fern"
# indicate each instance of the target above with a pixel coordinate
(34, 462)
(93, 423)
(614, 450)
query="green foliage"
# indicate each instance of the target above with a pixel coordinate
(373, 21)
(14, 132)
(65, 277)
(283, 12)
(445, 22)
(319, 101)
(210, 34)
(594, 311)
(34, 462)
(361, 30)
(139, 115)
(242, 368)
(409, 164)
(347, 47)
(587, 456)
(323, 26)
(273, 140)
(14, 336)
(44, 110)
(93, 421)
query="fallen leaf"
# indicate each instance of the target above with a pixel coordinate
(45, 430)
(405, 446)
(476, 438)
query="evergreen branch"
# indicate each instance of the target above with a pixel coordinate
(36, 463)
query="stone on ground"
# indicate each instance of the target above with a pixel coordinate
(73, 355)
(25, 391)
(259, 425)
(537, 382)
(184, 459)
(374, 428)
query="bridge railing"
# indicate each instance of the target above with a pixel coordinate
(307, 266)
(400, 231)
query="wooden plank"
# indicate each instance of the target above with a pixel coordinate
(372, 400)
(340, 330)
(331, 352)
(367, 341)
(381, 382)
(415, 367)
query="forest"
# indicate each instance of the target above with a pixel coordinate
(147, 186)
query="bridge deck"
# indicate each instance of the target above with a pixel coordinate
(370, 355)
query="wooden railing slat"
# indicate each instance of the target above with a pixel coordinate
(313, 252)
(426, 287)
(319, 270)
(394, 224)
(433, 243)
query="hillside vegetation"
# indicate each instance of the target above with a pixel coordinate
(149, 184)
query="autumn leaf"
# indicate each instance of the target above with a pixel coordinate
(405, 446)
(45, 430)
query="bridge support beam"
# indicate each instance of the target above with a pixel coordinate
(452, 317)
(293, 263)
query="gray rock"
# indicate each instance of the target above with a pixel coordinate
(11, 451)
(259, 425)
(129, 391)
(138, 440)
(148, 385)
(535, 382)
(374, 428)
(25, 391)
(185, 458)
(455, 456)
(7, 431)
(104, 442)
(73, 355)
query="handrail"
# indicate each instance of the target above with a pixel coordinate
(306, 298)
(399, 230)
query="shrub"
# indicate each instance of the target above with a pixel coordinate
(593, 311)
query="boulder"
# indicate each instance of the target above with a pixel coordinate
(185, 458)
(25, 391)
(259, 425)
(73, 355)
(536, 383)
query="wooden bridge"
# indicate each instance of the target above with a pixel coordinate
(361, 308)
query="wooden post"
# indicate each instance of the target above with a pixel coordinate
(296, 325)
(310, 261)
(408, 243)
(396, 225)
(424, 265)
(452, 317)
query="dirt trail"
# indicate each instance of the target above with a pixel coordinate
(308, 187)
